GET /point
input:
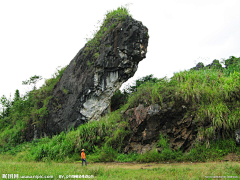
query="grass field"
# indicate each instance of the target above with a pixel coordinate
(10, 168)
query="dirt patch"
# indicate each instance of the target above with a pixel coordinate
(135, 165)
(231, 157)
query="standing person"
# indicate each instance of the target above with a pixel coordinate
(83, 157)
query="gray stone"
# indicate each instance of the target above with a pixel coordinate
(154, 109)
(237, 136)
(91, 81)
(146, 123)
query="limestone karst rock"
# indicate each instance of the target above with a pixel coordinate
(147, 122)
(95, 73)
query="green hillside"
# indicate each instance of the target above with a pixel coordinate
(211, 93)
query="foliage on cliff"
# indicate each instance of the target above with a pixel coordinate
(21, 112)
(111, 19)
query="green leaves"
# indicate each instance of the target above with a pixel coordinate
(19, 112)
(162, 143)
(119, 15)
(33, 80)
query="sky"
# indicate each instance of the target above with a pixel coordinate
(36, 37)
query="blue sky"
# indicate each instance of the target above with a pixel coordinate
(36, 37)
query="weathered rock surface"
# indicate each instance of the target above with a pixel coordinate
(237, 136)
(90, 80)
(147, 123)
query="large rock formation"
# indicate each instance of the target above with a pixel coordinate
(95, 73)
(147, 123)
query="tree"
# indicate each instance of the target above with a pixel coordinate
(16, 96)
(6, 105)
(139, 82)
(33, 80)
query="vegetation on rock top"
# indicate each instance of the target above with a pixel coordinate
(111, 19)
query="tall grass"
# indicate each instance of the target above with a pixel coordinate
(153, 93)
(103, 138)
(60, 149)
(215, 96)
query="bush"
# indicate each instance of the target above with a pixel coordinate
(107, 154)
(150, 156)
(103, 154)
(127, 157)
(218, 149)
(119, 98)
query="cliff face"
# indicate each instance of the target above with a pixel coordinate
(95, 73)
(147, 122)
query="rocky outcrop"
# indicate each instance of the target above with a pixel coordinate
(147, 123)
(237, 136)
(95, 73)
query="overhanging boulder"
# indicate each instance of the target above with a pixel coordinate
(95, 73)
